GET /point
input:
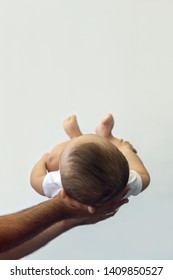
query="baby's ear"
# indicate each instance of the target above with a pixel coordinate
(63, 193)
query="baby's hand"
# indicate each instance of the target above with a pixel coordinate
(124, 145)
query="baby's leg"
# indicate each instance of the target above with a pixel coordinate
(104, 129)
(71, 127)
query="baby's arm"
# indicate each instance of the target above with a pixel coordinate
(49, 162)
(135, 163)
(104, 129)
(53, 158)
(38, 173)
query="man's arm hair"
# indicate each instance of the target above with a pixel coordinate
(76, 214)
(26, 231)
(38, 241)
(22, 226)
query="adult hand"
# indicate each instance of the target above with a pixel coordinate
(107, 210)
(86, 214)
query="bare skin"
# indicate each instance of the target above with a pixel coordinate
(58, 157)
(104, 129)
(23, 239)
(37, 241)
(95, 214)
(71, 127)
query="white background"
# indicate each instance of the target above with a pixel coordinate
(90, 58)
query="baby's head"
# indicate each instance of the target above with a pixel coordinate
(93, 170)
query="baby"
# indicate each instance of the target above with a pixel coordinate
(91, 168)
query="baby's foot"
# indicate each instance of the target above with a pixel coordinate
(104, 129)
(71, 127)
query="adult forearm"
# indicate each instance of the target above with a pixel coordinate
(38, 241)
(22, 226)
(20, 239)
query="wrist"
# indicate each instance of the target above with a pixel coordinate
(70, 223)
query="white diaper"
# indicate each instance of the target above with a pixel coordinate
(135, 184)
(52, 184)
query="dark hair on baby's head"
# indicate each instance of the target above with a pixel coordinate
(95, 173)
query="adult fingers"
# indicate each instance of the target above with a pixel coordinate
(74, 205)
